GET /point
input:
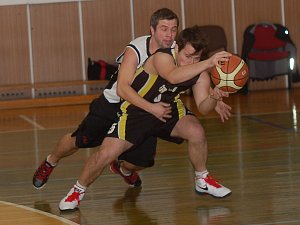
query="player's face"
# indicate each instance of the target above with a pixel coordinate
(165, 33)
(187, 55)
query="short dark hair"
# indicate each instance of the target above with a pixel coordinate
(162, 14)
(193, 35)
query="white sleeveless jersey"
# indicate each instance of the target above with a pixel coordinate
(140, 46)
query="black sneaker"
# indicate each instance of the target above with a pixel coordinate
(42, 174)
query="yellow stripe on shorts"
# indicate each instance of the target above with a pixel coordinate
(180, 108)
(142, 92)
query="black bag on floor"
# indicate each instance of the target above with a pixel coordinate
(100, 70)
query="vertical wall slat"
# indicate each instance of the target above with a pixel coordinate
(107, 28)
(14, 57)
(213, 12)
(292, 23)
(56, 42)
(255, 11)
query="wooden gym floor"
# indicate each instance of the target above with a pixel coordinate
(256, 154)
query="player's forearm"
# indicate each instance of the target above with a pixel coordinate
(184, 73)
(207, 105)
(130, 95)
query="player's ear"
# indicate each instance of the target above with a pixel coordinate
(152, 31)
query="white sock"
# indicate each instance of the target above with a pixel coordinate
(202, 174)
(127, 173)
(50, 162)
(80, 187)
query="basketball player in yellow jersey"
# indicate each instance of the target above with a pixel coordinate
(103, 110)
(136, 124)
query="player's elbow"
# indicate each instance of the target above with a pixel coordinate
(120, 91)
(172, 80)
(171, 77)
(203, 111)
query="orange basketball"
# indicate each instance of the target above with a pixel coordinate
(232, 76)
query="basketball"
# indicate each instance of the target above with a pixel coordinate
(232, 76)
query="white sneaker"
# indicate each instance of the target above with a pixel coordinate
(73, 198)
(210, 186)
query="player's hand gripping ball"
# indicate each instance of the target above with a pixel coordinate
(232, 76)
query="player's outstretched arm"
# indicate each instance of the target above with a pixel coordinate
(165, 67)
(207, 98)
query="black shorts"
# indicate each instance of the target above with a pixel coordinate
(94, 127)
(142, 155)
(137, 125)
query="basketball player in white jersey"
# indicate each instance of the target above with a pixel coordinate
(103, 110)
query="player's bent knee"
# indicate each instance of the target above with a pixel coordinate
(196, 130)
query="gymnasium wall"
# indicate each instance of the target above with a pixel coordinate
(44, 42)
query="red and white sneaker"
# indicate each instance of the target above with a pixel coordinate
(133, 179)
(42, 174)
(73, 198)
(209, 185)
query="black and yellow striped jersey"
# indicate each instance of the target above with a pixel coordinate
(154, 88)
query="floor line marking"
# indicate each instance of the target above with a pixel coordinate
(40, 212)
(279, 222)
(32, 122)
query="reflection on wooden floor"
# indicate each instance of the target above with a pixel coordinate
(256, 154)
